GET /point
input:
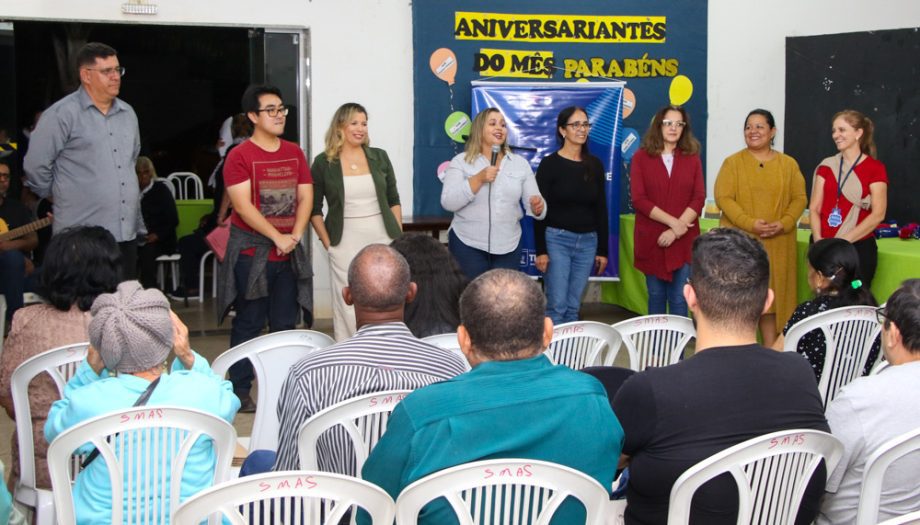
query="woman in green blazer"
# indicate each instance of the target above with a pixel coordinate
(359, 187)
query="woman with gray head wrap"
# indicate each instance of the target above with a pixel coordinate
(132, 334)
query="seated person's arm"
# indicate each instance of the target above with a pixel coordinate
(64, 412)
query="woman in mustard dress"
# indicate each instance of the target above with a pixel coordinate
(762, 191)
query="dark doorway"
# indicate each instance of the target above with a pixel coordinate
(182, 81)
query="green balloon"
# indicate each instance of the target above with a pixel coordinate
(457, 126)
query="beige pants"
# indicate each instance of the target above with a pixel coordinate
(358, 232)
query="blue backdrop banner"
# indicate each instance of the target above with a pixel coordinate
(530, 110)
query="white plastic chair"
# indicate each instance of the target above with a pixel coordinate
(654, 340)
(272, 357)
(447, 341)
(533, 489)
(876, 466)
(204, 259)
(849, 334)
(363, 420)
(61, 364)
(184, 181)
(308, 497)
(580, 344)
(908, 519)
(140, 447)
(771, 472)
(171, 260)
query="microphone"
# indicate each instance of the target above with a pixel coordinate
(495, 149)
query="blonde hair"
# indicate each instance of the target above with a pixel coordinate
(860, 121)
(474, 143)
(334, 136)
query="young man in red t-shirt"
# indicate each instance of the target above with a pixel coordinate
(269, 184)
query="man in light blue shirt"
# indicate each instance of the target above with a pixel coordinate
(82, 154)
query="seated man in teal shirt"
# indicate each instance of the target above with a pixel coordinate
(513, 404)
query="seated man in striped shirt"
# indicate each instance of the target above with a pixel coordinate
(382, 355)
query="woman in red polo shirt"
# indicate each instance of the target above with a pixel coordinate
(849, 195)
(666, 185)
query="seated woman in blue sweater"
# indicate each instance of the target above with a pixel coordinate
(132, 333)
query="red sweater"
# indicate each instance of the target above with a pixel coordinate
(650, 186)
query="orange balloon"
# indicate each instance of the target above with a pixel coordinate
(629, 102)
(443, 64)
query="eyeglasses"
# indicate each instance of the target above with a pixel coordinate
(578, 125)
(673, 123)
(881, 314)
(109, 71)
(274, 112)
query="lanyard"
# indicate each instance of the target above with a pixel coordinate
(840, 183)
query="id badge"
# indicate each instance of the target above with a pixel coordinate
(835, 219)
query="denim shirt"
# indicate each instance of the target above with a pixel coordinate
(513, 186)
(85, 160)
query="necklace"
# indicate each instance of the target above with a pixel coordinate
(354, 167)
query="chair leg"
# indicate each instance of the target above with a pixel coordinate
(161, 275)
(214, 277)
(44, 510)
(201, 265)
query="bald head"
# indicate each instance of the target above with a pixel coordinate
(378, 278)
(504, 311)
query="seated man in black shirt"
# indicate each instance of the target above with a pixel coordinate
(732, 390)
(13, 252)
(161, 218)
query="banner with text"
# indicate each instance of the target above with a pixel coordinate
(657, 46)
(530, 110)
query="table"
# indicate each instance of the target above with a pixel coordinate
(426, 223)
(897, 260)
(190, 213)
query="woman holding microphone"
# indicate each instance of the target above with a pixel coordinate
(484, 187)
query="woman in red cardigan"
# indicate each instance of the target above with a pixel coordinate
(666, 185)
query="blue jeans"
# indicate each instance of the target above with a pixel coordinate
(279, 309)
(571, 258)
(475, 262)
(664, 294)
(12, 280)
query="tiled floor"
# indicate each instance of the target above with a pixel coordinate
(210, 341)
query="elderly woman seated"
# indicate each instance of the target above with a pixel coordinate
(132, 333)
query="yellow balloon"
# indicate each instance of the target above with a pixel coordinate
(681, 90)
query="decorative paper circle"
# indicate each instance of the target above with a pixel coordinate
(457, 126)
(681, 90)
(630, 143)
(442, 167)
(629, 102)
(443, 64)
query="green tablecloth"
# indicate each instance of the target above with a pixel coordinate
(190, 212)
(897, 260)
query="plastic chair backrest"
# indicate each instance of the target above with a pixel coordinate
(447, 341)
(141, 448)
(363, 419)
(534, 488)
(771, 472)
(307, 497)
(654, 340)
(579, 344)
(61, 364)
(908, 519)
(873, 475)
(849, 334)
(185, 180)
(169, 184)
(272, 357)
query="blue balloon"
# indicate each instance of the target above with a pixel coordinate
(629, 144)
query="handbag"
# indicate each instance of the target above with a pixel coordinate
(218, 239)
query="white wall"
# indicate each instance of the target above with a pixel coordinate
(362, 51)
(747, 58)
